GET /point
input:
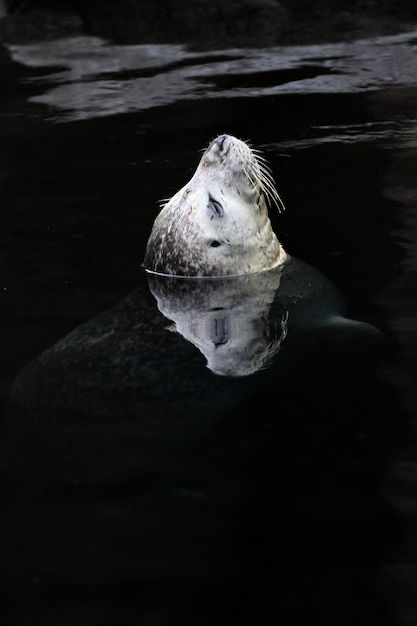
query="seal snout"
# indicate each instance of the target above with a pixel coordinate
(222, 143)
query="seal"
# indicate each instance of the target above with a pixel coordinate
(218, 223)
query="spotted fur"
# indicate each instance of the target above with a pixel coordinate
(218, 223)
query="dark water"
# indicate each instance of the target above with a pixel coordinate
(297, 506)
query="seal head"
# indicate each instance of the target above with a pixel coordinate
(218, 223)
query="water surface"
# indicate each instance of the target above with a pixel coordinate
(296, 505)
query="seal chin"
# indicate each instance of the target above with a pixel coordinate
(218, 224)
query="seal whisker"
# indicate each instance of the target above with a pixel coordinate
(252, 176)
(269, 186)
(264, 167)
(258, 154)
(261, 160)
(260, 174)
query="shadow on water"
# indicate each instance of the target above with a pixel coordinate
(139, 486)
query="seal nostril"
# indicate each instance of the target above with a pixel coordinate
(220, 141)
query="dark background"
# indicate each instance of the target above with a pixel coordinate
(210, 23)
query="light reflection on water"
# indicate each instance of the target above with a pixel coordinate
(99, 79)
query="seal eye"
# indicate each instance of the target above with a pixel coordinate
(215, 244)
(215, 206)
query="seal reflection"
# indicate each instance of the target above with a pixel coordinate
(227, 319)
(240, 323)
